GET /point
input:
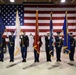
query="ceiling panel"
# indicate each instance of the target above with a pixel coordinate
(21, 1)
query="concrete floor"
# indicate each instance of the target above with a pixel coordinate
(42, 68)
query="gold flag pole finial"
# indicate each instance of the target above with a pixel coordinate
(51, 12)
(16, 11)
(51, 15)
(66, 12)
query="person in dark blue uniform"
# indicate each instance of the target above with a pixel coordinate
(11, 45)
(36, 53)
(58, 45)
(47, 45)
(2, 48)
(24, 44)
(72, 47)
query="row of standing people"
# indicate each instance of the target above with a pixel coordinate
(58, 43)
(25, 42)
(11, 44)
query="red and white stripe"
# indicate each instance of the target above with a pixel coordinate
(44, 18)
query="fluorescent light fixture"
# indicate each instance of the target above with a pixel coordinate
(12, 0)
(62, 1)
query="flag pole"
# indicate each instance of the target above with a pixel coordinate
(75, 27)
(66, 28)
(50, 30)
(51, 36)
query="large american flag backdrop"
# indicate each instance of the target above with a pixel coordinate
(27, 14)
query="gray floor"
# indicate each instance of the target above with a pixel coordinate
(42, 68)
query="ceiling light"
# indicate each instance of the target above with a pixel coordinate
(12, 0)
(72, 1)
(62, 1)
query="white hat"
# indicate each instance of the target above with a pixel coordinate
(47, 32)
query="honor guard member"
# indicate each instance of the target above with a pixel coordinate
(72, 47)
(36, 54)
(2, 48)
(43, 42)
(30, 48)
(58, 45)
(24, 44)
(47, 44)
(11, 45)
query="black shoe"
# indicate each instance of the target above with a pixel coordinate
(23, 60)
(2, 60)
(47, 60)
(37, 60)
(72, 60)
(60, 60)
(12, 61)
(50, 61)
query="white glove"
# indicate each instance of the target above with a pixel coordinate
(49, 37)
(21, 37)
(60, 37)
(3, 48)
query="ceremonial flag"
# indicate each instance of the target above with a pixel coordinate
(66, 42)
(51, 52)
(17, 34)
(2, 29)
(36, 43)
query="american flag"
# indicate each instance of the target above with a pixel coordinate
(27, 14)
(8, 13)
(58, 14)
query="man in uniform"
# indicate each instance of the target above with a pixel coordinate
(47, 44)
(72, 47)
(43, 42)
(11, 45)
(58, 45)
(31, 41)
(24, 44)
(2, 47)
